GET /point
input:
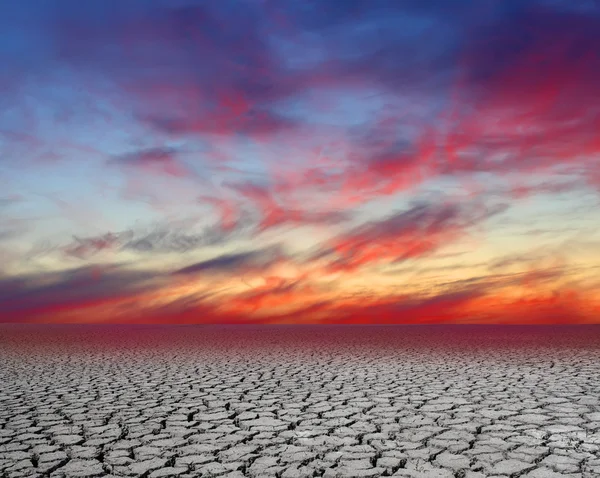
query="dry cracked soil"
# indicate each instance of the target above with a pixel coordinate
(287, 401)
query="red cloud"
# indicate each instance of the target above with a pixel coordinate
(417, 232)
(228, 210)
(512, 298)
(524, 102)
(273, 213)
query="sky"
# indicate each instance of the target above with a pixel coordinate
(300, 161)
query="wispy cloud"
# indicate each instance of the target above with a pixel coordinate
(369, 139)
(417, 232)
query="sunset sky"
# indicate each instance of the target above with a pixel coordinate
(298, 161)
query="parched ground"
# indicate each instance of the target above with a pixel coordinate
(412, 401)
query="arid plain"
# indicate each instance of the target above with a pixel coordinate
(294, 401)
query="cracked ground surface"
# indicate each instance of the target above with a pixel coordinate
(430, 401)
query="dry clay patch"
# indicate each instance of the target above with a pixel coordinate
(358, 406)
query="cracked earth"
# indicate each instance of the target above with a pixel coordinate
(152, 401)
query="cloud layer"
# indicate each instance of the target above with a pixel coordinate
(300, 161)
